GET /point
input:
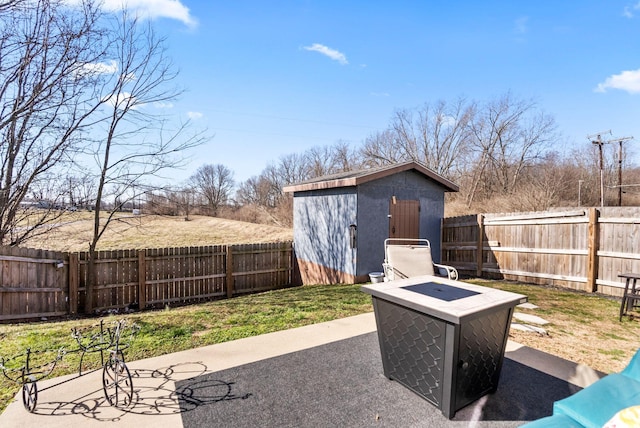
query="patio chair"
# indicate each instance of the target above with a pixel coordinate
(405, 258)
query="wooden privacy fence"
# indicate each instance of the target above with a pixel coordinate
(581, 249)
(39, 283)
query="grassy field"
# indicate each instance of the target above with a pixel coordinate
(583, 328)
(153, 231)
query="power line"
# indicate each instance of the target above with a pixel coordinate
(597, 139)
(293, 119)
(620, 141)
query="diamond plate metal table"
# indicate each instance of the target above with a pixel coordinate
(443, 339)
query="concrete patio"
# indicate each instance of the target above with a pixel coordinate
(320, 375)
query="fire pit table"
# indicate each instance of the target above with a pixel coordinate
(443, 339)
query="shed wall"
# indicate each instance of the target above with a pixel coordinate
(321, 220)
(373, 210)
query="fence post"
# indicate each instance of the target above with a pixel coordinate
(142, 279)
(73, 283)
(593, 245)
(480, 248)
(229, 272)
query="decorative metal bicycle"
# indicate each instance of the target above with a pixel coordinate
(33, 365)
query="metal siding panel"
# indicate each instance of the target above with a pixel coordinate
(321, 228)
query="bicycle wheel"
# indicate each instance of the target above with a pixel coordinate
(30, 396)
(116, 383)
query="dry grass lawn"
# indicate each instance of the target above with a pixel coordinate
(152, 231)
(583, 327)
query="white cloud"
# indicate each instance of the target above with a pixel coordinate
(327, 51)
(195, 115)
(448, 121)
(120, 100)
(628, 81)
(100, 67)
(629, 11)
(172, 9)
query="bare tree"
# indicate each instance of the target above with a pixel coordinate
(162, 202)
(48, 193)
(542, 186)
(346, 157)
(490, 149)
(185, 200)
(10, 5)
(214, 183)
(85, 191)
(292, 168)
(319, 161)
(326, 160)
(508, 135)
(46, 100)
(264, 192)
(80, 190)
(289, 169)
(257, 190)
(134, 144)
(382, 148)
(436, 136)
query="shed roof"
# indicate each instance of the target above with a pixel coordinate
(354, 178)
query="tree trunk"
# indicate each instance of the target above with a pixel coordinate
(92, 279)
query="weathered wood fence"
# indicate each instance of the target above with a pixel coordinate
(40, 283)
(581, 249)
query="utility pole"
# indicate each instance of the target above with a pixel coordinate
(620, 141)
(599, 142)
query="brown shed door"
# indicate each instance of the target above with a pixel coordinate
(404, 219)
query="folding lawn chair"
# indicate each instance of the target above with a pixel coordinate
(405, 258)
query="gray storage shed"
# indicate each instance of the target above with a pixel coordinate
(340, 221)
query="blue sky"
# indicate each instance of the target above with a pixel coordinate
(271, 78)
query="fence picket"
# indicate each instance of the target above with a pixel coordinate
(582, 250)
(32, 285)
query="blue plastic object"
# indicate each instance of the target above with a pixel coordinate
(555, 421)
(633, 368)
(596, 404)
